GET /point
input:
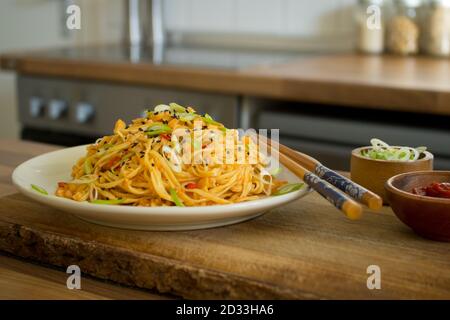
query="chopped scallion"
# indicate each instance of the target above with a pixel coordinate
(176, 107)
(380, 150)
(112, 201)
(158, 128)
(288, 188)
(208, 119)
(275, 172)
(186, 116)
(39, 189)
(175, 198)
(88, 166)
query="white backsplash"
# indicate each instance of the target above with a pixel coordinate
(272, 17)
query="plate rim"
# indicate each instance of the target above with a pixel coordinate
(145, 211)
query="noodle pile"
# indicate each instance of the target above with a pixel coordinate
(158, 161)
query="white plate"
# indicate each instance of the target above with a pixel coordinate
(48, 169)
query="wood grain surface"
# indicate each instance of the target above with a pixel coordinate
(307, 249)
(21, 279)
(413, 84)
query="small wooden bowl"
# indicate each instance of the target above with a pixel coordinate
(373, 174)
(429, 217)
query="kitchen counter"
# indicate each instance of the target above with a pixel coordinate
(20, 279)
(306, 249)
(412, 84)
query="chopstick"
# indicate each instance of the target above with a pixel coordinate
(340, 200)
(359, 193)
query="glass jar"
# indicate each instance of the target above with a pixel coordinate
(435, 39)
(403, 27)
(370, 26)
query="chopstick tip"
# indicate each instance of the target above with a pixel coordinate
(352, 211)
(375, 203)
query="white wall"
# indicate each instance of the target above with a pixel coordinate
(275, 17)
(23, 24)
(31, 24)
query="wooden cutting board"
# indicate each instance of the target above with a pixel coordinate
(307, 249)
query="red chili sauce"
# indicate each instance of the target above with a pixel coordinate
(435, 190)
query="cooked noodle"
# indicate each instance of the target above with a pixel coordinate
(149, 163)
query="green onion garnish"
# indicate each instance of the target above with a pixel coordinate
(39, 189)
(157, 128)
(382, 151)
(87, 166)
(187, 116)
(208, 119)
(175, 198)
(288, 188)
(275, 172)
(176, 107)
(156, 133)
(112, 201)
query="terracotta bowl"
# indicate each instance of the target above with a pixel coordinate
(373, 174)
(427, 216)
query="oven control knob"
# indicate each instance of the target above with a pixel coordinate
(84, 112)
(36, 107)
(57, 108)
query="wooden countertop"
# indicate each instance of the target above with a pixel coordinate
(306, 249)
(413, 84)
(21, 279)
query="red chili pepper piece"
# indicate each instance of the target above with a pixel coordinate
(191, 185)
(165, 136)
(112, 162)
(435, 189)
(442, 189)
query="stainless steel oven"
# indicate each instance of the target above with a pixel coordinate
(71, 112)
(329, 133)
